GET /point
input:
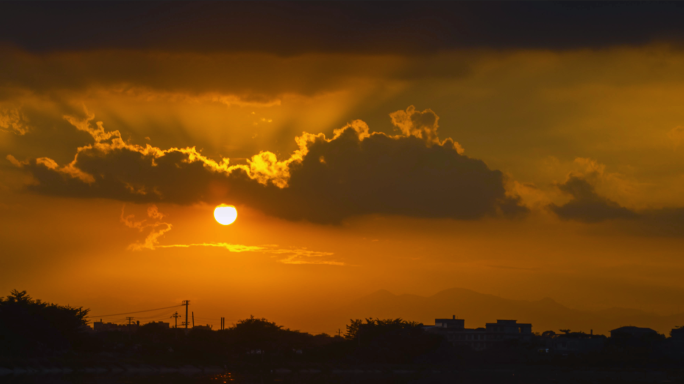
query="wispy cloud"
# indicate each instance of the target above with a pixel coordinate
(153, 223)
(12, 120)
(157, 228)
(303, 256)
(290, 255)
(512, 267)
(676, 135)
(237, 248)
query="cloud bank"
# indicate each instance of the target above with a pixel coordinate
(291, 28)
(326, 180)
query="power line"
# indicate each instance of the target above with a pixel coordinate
(153, 317)
(157, 316)
(146, 319)
(128, 313)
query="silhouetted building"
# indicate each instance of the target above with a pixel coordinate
(160, 324)
(450, 323)
(575, 343)
(635, 332)
(482, 338)
(100, 326)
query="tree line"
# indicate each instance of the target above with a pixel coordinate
(32, 328)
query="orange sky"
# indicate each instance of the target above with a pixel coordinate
(520, 171)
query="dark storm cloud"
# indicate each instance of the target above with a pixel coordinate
(128, 175)
(370, 27)
(326, 181)
(254, 79)
(586, 205)
(663, 222)
(350, 176)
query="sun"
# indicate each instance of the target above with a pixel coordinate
(225, 214)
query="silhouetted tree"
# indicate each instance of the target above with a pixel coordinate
(548, 334)
(255, 334)
(29, 326)
(391, 340)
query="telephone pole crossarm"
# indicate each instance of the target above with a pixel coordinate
(186, 303)
(175, 317)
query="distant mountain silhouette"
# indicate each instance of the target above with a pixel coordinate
(478, 309)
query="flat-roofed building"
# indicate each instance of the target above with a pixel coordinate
(100, 326)
(452, 323)
(482, 338)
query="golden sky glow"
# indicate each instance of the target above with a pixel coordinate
(525, 172)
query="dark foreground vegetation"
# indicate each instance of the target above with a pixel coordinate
(37, 333)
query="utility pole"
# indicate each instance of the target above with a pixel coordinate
(175, 317)
(186, 303)
(193, 319)
(130, 329)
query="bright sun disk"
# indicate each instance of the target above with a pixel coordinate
(225, 214)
